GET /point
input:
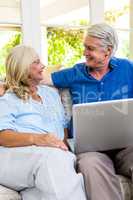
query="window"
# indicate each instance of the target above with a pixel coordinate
(8, 39)
(65, 30)
(10, 34)
(117, 14)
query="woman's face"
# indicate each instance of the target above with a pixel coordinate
(36, 71)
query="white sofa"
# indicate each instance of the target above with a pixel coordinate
(8, 194)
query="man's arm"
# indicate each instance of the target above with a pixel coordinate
(60, 79)
(47, 79)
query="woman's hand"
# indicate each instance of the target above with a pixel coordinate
(49, 140)
(2, 89)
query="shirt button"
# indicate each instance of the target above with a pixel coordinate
(99, 99)
(102, 83)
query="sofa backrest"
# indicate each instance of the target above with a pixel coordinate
(64, 93)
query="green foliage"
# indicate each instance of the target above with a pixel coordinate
(15, 40)
(64, 46)
(125, 49)
(112, 15)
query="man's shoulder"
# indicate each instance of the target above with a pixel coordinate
(79, 65)
(122, 61)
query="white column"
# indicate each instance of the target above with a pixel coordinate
(30, 13)
(44, 45)
(131, 32)
(96, 11)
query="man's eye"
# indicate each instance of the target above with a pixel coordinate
(89, 48)
(36, 62)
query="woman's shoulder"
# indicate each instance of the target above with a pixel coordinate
(7, 95)
(9, 102)
(10, 98)
(48, 89)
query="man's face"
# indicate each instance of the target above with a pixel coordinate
(96, 55)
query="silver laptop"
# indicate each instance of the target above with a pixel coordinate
(102, 126)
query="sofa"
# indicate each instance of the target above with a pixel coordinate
(126, 185)
(127, 190)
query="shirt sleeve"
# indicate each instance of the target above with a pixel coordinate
(7, 114)
(63, 78)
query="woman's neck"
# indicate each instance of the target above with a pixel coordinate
(33, 92)
(33, 88)
(32, 85)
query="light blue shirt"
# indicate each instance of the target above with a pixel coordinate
(33, 116)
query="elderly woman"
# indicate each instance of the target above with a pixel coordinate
(34, 159)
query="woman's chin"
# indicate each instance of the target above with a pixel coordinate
(38, 79)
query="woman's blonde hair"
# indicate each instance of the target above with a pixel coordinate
(17, 70)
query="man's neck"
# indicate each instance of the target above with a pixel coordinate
(99, 72)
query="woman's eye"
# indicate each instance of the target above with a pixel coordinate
(36, 62)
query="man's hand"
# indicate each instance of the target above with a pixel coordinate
(49, 140)
(2, 89)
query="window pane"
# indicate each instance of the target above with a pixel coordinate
(64, 46)
(123, 47)
(117, 13)
(8, 39)
(65, 21)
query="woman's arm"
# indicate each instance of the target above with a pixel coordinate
(9, 138)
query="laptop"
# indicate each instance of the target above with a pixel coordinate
(102, 126)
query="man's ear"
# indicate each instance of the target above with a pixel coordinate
(109, 51)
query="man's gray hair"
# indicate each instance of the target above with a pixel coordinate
(106, 33)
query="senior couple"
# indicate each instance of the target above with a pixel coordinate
(34, 157)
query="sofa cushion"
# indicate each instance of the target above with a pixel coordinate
(8, 194)
(126, 187)
(67, 102)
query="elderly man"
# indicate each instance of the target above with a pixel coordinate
(102, 77)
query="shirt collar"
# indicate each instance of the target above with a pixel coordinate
(113, 62)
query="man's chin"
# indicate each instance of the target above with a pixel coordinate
(89, 64)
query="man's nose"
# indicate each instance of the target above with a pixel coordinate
(85, 52)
